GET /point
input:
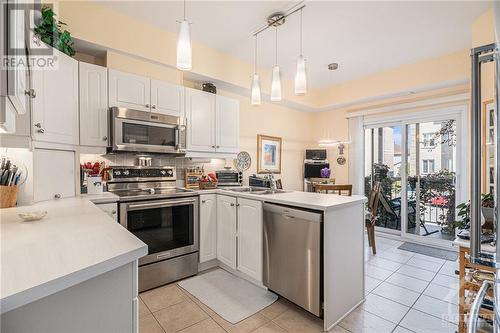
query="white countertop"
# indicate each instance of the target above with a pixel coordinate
(101, 198)
(75, 242)
(311, 200)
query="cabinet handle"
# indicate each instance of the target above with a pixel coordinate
(41, 130)
(104, 138)
(153, 106)
(30, 92)
(147, 105)
(38, 125)
(113, 212)
(218, 146)
(203, 201)
(237, 205)
(232, 205)
(213, 146)
(57, 196)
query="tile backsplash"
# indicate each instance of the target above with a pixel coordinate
(181, 163)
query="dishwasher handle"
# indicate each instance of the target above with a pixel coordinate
(290, 213)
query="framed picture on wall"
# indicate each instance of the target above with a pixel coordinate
(268, 154)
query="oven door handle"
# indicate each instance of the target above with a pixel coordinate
(160, 204)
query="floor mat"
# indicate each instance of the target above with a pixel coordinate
(429, 251)
(231, 297)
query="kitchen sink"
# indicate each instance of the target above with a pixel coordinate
(255, 190)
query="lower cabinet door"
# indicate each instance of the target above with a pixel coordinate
(226, 230)
(250, 238)
(208, 227)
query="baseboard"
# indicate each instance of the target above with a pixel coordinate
(203, 266)
(344, 316)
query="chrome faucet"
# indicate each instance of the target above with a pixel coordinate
(270, 177)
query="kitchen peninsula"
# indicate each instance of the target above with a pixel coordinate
(73, 271)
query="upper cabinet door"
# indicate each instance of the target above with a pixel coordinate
(129, 91)
(93, 105)
(228, 125)
(200, 114)
(167, 98)
(55, 107)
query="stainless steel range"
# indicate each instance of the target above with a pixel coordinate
(162, 216)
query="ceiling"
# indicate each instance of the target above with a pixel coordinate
(363, 37)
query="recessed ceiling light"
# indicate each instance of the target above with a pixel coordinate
(333, 66)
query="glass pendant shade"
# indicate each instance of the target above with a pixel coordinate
(276, 85)
(184, 51)
(256, 99)
(300, 77)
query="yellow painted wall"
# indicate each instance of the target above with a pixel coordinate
(130, 36)
(294, 127)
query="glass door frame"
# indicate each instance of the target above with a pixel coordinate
(459, 113)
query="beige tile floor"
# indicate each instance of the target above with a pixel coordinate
(405, 292)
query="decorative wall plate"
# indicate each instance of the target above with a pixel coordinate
(243, 161)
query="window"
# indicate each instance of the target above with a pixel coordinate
(428, 166)
(429, 140)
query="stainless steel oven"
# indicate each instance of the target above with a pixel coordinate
(142, 131)
(170, 229)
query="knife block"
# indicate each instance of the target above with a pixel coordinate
(8, 196)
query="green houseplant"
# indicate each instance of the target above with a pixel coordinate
(49, 31)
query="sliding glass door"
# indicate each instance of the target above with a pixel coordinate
(383, 148)
(431, 167)
(417, 163)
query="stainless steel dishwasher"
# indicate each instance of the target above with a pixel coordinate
(292, 255)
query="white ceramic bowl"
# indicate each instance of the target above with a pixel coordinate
(32, 216)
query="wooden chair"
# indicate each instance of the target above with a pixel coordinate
(335, 188)
(373, 202)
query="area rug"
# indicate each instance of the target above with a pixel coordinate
(231, 297)
(429, 251)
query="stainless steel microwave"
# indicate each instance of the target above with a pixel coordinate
(142, 131)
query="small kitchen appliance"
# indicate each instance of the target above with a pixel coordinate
(149, 132)
(315, 161)
(229, 177)
(162, 216)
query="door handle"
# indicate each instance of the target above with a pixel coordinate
(147, 105)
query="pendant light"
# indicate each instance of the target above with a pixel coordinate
(184, 50)
(300, 74)
(255, 97)
(276, 79)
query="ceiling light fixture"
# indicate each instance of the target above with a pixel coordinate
(184, 49)
(300, 74)
(255, 97)
(276, 79)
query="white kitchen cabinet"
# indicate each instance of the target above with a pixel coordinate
(249, 234)
(167, 98)
(55, 107)
(208, 227)
(14, 74)
(227, 125)
(109, 208)
(129, 90)
(53, 174)
(93, 105)
(200, 114)
(226, 230)
(213, 123)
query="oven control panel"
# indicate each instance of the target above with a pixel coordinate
(143, 173)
